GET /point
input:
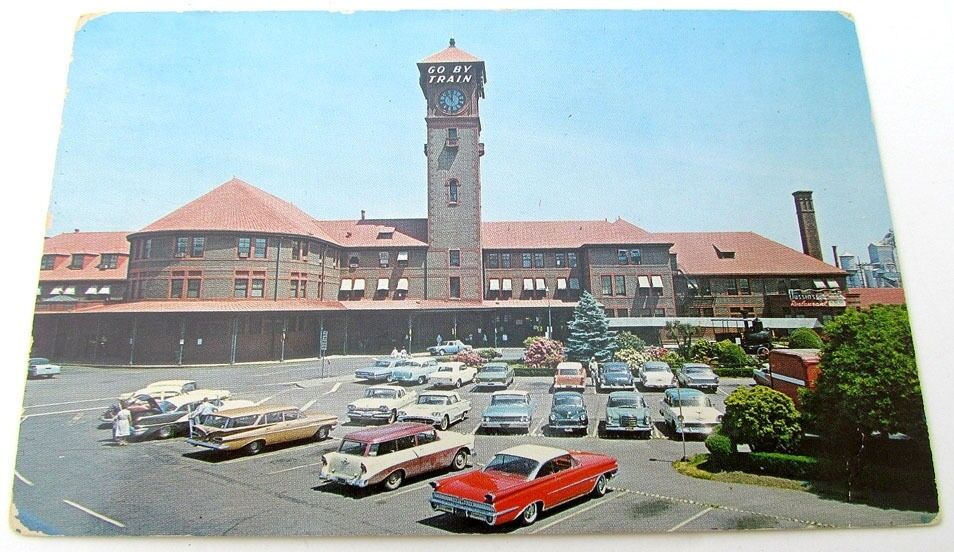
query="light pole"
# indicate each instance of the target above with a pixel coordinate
(682, 420)
(549, 314)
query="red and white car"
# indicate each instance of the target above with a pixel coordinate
(522, 481)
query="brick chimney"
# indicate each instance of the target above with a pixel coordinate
(807, 226)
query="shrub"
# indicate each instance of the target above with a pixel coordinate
(703, 351)
(741, 372)
(763, 418)
(656, 353)
(489, 354)
(674, 360)
(804, 338)
(721, 450)
(544, 353)
(629, 340)
(778, 464)
(731, 355)
(634, 358)
(470, 358)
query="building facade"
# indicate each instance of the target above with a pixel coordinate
(239, 275)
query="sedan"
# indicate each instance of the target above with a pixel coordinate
(616, 375)
(568, 412)
(495, 374)
(698, 376)
(626, 412)
(656, 374)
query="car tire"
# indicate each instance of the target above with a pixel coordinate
(460, 460)
(322, 433)
(445, 422)
(254, 447)
(393, 417)
(422, 380)
(393, 480)
(440, 352)
(530, 514)
(166, 432)
(458, 384)
(600, 488)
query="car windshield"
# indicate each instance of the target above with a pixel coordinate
(516, 465)
(432, 399)
(508, 399)
(626, 402)
(655, 368)
(382, 363)
(220, 422)
(166, 406)
(617, 368)
(38, 361)
(568, 372)
(380, 393)
(354, 448)
(446, 369)
(495, 369)
(567, 400)
(695, 369)
(692, 401)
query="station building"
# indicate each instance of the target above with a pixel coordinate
(239, 275)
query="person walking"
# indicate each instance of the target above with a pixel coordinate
(440, 339)
(395, 353)
(403, 353)
(592, 369)
(122, 425)
(205, 408)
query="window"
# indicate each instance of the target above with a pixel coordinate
(538, 260)
(241, 287)
(607, 284)
(454, 257)
(258, 287)
(353, 261)
(244, 247)
(705, 287)
(659, 313)
(193, 290)
(452, 191)
(635, 256)
(294, 288)
(744, 286)
(46, 262)
(261, 248)
(724, 254)
(571, 259)
(298, 285)
(175, 288)
(384, 259)
(708, 311)
(182, 245)
(299, 250)
(505, 260)
(455, 287)
(574, 283)
(273, 417)
(426, 437)
(622, 313)
(402, 258)
(404, 443)
(620, 284)
(76, 261)
(147, 249)
(621, 256)
(526, 260)
(108, 260)
(560, 259)
(452, 134)
(730, 287)
(198, 246)
(493, 260)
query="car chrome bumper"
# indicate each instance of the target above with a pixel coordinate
(376, 415)
(616, 385)
(629, 429)
(491, 384)
(505, 425)
(569, 385)
(374, 377)
(696, 430)
(208, 444)
(441, 504)
(344, 479)
(419, 419)
(657, 385)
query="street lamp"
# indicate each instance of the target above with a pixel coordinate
(682, 420)
(546, 290)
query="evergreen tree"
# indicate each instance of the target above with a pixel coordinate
(590, 335)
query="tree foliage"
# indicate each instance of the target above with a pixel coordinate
(804, 338)
(543, 353)
(590, 335)
(731, 355)
(762, 418)
(683, 333)
(629, 340)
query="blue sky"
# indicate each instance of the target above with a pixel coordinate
(675, 121)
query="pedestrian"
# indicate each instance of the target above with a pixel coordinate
(485, 340)
(122, 423)
(470, 338)
(440, 339)
(592, 368)
(395, 353)
(403, 353)
(199, 413)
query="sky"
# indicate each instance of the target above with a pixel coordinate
(674, 121)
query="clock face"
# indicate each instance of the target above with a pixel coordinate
(451, 101)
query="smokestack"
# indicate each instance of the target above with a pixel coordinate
(76, 230)
(834, 251)
(807, 226)
(362, 214)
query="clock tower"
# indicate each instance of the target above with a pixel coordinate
(453, 83)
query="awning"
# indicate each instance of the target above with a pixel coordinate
(643, 281)
(402, 284)
(402, 255)
(820, 284)
(104, 290)
(561, 283)
(657, 282)
(383, 284)
(345, 285)
(494, 284)
(91, 290)
(692, 284)
(528, 284)
(506, 284)
(541, 284)
(71, 290)
(56, 291)
(39, 291)
(833, 284)
(358, 284)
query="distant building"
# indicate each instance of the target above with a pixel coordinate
(883, 272)
(850, 263)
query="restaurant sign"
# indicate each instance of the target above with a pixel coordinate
(816, 298)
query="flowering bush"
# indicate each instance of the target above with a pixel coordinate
(634, 358)
(489, 354)
(470, 358)
(543, 353)
(656, 353)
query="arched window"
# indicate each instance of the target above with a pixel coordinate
(452, 191)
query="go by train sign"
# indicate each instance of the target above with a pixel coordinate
(441, 74)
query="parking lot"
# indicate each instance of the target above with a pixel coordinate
(72, 480)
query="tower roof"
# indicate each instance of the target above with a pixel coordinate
(451, 54)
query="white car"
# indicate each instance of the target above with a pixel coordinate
(414, 370)
(453, 374)
(41, 368)
(389, 455)
(438, 408)
(701, 417)
(161, 390)
(380, 403)
(656, 374)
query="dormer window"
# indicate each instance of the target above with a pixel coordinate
(724, 254)
(108, 260)
(385, 233)
(46, 262)
(76, 261)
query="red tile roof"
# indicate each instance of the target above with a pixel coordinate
(554, 234)
(366, 233)
(92, 244)
(698, 254)
(239, 207)
(450, 54)
(87, 242)
(864, 298)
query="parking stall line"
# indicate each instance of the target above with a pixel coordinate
(275, 452)
(94, 514)
(690, 519)
(536, 430)
(293, 469)
(70, 402)
(575, 513)
(60, 412)
(334, 388)
(21, 478)
(402, 491)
